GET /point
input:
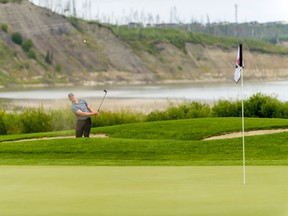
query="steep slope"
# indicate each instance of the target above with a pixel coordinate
(62, 57)
(74, 61)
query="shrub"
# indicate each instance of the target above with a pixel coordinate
(157, 116)
(271, 108)
(58, 68)
(107, 118)
(12, 120)
(225, 108)
(262, 106)
(76, 23)
(31, 54)
(3, 130)
(258, 105)
(284, 110)
(39, 120)
(35, 120)
(186, 110)
(27, 45)
(4, 27)
(12, 1)
(253, 105)
(62, 120)
(49, 57)
(17, 38)
(13, 123)
(195, 110)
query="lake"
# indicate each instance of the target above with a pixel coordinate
(207, 92)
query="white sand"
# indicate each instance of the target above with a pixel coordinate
(247, 133)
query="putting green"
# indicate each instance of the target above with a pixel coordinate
(179, 191)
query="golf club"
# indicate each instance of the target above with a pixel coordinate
(102, 100)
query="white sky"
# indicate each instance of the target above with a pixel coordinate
(185, 10)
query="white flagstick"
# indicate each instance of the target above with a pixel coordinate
(237, 75)
(243, 135)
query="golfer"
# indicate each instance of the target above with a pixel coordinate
(83, 113)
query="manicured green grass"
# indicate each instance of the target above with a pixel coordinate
(120, 175)
(142, 191)
(189, 129)
(185, 129)
(262, 150)
(172, 143)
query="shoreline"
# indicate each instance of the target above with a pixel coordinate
(114, 105)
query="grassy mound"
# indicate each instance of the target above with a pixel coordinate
(177, 142)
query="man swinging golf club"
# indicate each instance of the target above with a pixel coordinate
(83, 112)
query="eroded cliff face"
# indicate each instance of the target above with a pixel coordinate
(105, 58)
(212, 64)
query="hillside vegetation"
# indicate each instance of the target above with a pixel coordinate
(273, 32)
(40, 47)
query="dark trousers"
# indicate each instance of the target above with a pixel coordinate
(83, 126)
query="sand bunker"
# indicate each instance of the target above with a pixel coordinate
(248, 133)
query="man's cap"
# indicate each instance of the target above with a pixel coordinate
(70, 95)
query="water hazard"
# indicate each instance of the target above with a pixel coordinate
(200, 91)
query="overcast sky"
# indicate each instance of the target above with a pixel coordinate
(184, 10)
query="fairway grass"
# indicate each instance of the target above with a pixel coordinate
(271, 149)
(147, 169)
(143, 191)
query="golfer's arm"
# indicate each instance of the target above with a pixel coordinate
(81, 113)
(90, 108)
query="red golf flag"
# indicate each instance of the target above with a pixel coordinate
(239, 64)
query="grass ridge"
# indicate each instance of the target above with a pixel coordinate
(169, 143)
